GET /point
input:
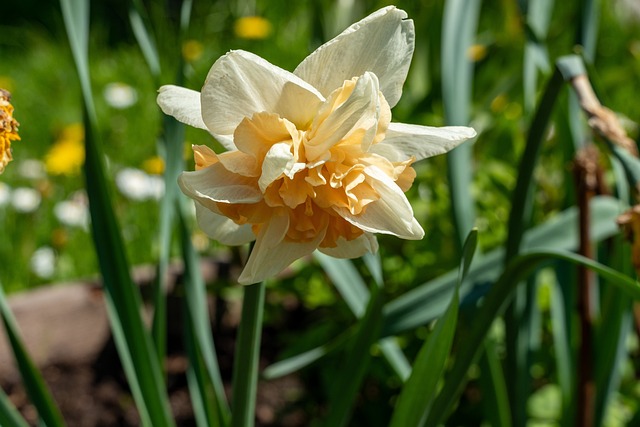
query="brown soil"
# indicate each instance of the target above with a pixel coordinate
(66, 332)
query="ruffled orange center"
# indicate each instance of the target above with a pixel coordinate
(311, 173)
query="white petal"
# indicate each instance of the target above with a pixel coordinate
(221, 228)
(240, 84)
(382, 43)
(359, 110)
(403, 141)
(367, 243)
(278, 161)
(181, 103)
(272, 253)
(184, 104)
(391, 214)
(215, 183)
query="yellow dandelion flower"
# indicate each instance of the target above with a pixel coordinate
(66, 156)
(192, 50)
(8, 128)
(153, 166)
(477, 52)
(252, 27)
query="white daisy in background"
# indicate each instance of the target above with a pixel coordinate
(43, 262)
(120, 95)
(32, 169)
(73, 212)
(137, 185)
(25, 200)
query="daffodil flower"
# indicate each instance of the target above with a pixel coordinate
(313, 160)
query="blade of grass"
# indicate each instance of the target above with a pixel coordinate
(245, 364)
(198, 325)
(123, 299)
(35, 386)
(536, 57)
(612, 334)
(522, 309)
(494, 303)
(144, 36)
(560, 310)
(417, 394)
(141, 30)
(460, 21)
(494, 388)
(349, 378)
(304, 359)
(9, 415)
(346, 278)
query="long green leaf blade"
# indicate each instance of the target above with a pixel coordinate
(460, 21)
(9, 415)
(517, 270)
(417, 394)
(123, 299)
(349, 378)
(199, 329)
(35, 386)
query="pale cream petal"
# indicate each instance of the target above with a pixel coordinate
(221, 228)
(391, 214)
(366, 243)
(215, 183)
(240, 84)
(184, 104)
(382, 43)
(203, 156)
(359, 111)
(240, 163)
(272, 253)
(404, 141)
(277, 162)
(181, 103)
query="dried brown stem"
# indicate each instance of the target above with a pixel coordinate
(587, 176)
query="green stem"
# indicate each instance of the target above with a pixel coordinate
(245, 367)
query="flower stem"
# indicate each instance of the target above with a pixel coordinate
(245, 367)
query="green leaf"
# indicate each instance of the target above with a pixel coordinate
(428, 301)
(612, 332)
(460, 21)
(417, 394)
(245, 364)
(494, 303)
(306, 358)
(347, 281)
(425, 302)
(356, 361)
(536, 57)
(351, 286)
(521, 208)
(494, 388)
(560, 310)
(203, 353)
(35, 386)
(9, 415)
(144, 36)
(124, 304)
